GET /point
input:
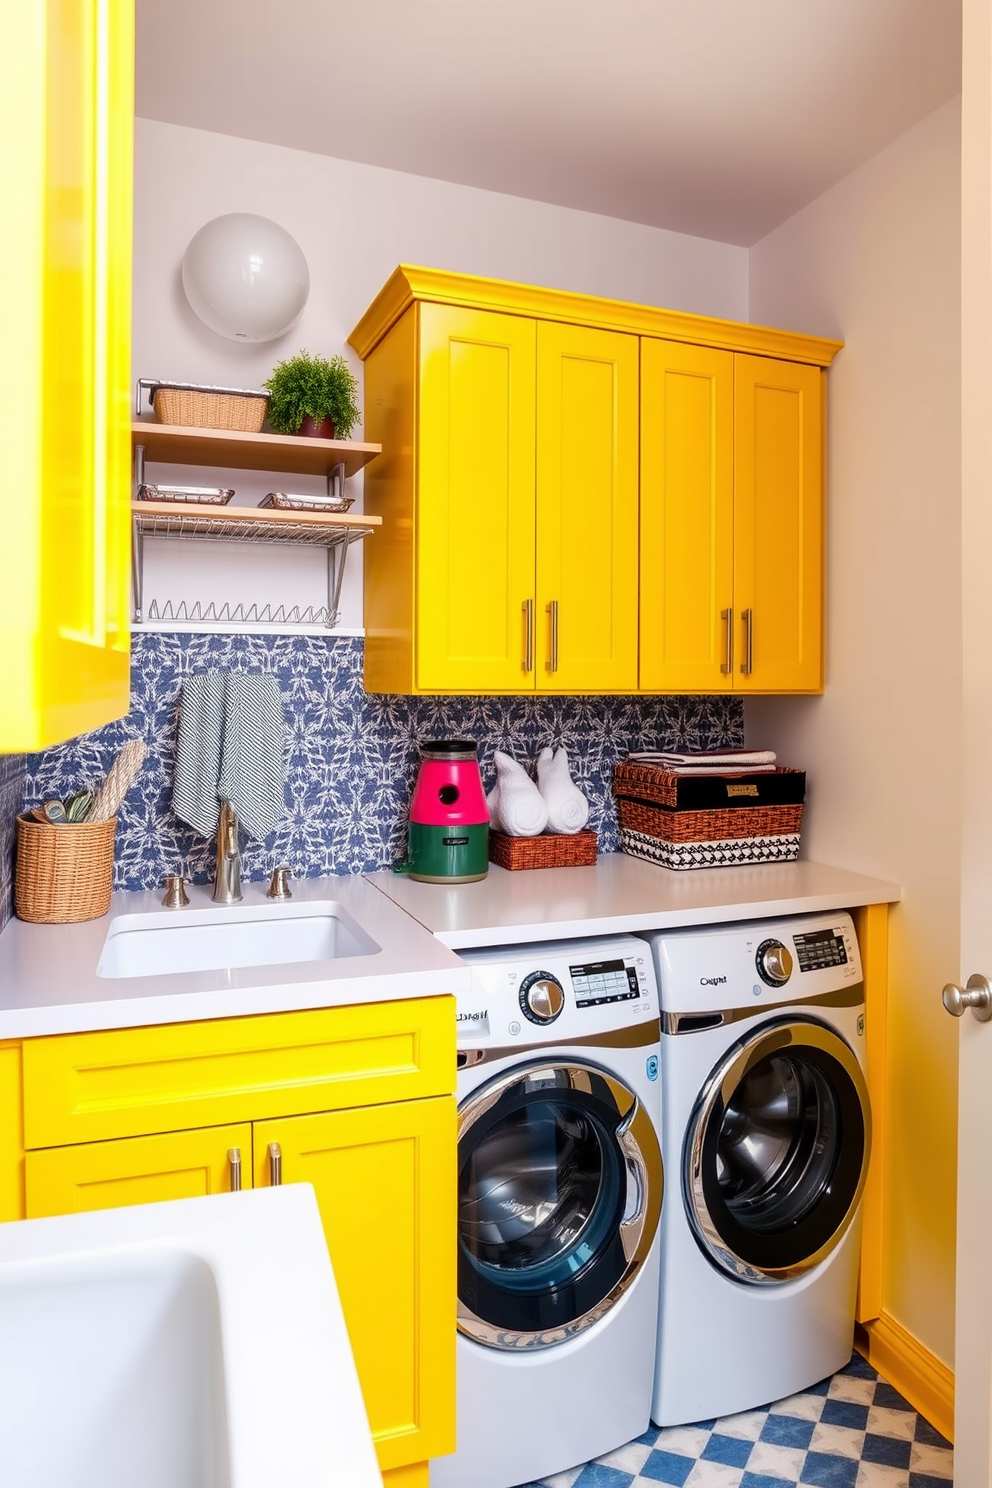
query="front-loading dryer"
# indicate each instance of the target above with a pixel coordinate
(559, 1198)
(767, 1135)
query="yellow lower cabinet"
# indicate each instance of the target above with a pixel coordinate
(384, 1179)
(135, 1170)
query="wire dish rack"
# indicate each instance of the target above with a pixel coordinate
(334, 532)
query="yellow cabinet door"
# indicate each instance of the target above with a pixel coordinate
(136, 1170)
(385, 1183)
(587, 458)
(66, 115)
(687, 517)
(778, 525)
(475, 500)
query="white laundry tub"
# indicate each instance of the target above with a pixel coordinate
(192, 1344)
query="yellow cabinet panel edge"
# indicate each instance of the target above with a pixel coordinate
(95, 1086)
(134, 1170)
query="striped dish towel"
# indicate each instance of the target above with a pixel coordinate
(230, 746)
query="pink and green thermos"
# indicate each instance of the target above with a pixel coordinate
(449, 820)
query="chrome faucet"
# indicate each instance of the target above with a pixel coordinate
(227, 874)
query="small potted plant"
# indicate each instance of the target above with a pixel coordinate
(312, 396)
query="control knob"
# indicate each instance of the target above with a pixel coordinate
(541, 997)
(774, 962)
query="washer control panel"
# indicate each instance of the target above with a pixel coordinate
(556, 990)
(714, 969)
(597, 982)
(819, 948)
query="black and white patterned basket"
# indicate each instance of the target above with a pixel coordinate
(726, 854)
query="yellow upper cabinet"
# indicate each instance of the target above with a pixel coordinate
(507, 443)
(585, 618)
(687, 516)
(731, 522)
(581, 495)
(778, 526)
(66, 109)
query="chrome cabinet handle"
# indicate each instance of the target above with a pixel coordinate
(747, 665)
(552, 664)
(234, 1159)
(275, 1164)
(976, 995)
(727, 616)
(528, 609)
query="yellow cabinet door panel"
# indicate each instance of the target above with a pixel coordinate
(475, 499)
(778, 531)
(66, 98)
(93, 1086)
(136, 1170)
(587, 459)
(385, 1183)
(687, 517)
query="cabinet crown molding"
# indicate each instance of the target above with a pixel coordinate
(410, 283)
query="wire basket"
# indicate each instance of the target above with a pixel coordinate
(63, 874)
(189, 408)
(547, 850)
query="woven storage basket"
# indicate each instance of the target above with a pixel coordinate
(729, 853)
(186, 408)
(548, 850)
(63, 874)
(709, 826)
(709, 821)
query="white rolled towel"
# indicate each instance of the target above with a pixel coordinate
(568, 809)
(516, 806)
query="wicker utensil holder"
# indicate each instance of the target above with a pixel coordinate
(63, 873)
(187, 409)
(548, 850)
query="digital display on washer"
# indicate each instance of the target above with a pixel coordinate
(603, 981)
(819, 948)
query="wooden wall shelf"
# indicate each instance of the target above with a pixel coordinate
(226, 447)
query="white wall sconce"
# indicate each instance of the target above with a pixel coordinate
(245, 277)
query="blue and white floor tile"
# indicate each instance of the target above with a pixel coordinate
(850, 1431)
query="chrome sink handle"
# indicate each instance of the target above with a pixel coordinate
(279, 885)
(976, 995)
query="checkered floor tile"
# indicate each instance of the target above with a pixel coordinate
(851, 1431)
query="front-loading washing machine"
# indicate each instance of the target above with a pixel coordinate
(767, 1134)
(559, 1197)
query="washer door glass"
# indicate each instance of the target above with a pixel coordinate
(559, 1192)
(776, 1154)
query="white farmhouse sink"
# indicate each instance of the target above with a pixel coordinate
(218, 939)
(192, 1344)
(111, 1372)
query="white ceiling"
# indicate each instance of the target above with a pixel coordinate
(715, 117)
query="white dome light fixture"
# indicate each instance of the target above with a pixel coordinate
(245, 277)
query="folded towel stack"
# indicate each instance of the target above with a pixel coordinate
(231, 741)
(710, 761)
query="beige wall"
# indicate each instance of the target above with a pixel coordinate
(876, 260)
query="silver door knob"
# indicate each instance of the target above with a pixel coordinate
(977, 996)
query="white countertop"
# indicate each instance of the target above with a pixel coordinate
(622, 893)
(48, 980)
(49, 984)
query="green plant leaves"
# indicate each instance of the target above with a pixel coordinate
(305, 386)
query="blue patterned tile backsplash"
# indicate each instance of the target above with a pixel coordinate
(351, 758)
